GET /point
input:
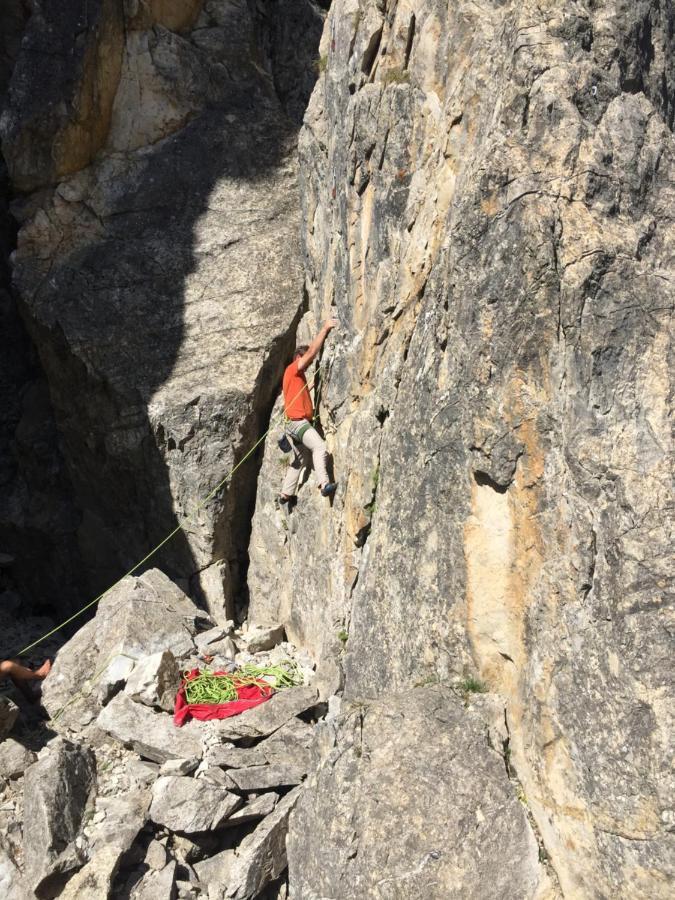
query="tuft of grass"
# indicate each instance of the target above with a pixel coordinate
(343, 635)
(321, 64)
(471, 685)
(396, 76)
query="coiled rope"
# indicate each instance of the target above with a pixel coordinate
(223, 687)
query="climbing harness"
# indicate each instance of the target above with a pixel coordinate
(296, 428)
(172, 534)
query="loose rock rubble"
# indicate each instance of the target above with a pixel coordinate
(121, 802)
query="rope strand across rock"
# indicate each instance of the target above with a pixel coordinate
(172, 534)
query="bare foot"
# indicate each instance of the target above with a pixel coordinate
(44, 669)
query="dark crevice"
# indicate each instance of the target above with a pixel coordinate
(370, 53)
(484, 480)
(244, 486)
(409, 42)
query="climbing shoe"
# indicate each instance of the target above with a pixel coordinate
(328, 489)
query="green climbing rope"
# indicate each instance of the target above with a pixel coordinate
(284, 675)
(209, 687)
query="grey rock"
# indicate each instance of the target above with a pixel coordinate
(114, 677)
(212, 636)
(257, 808)
(141, 771)
(179, 766)
(263, 778)
(123, 818)
(71, 678)
(223, 652)
(215, 775)
(267, 718)
(291, 745)
(467, 835)
(9, 712)
(261, 857)
(156, 856)
(14, 758)
(215, 871)
(263, 637)
(137, 618)
(236, 757)
(151, 734)
(155, 681)
(190, 805)
(156, 885)
(12, 885)
(57, 791)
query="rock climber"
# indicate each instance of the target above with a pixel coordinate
(299, 412)
(22, 676)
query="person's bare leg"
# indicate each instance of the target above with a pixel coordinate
(17, 672)
(44, 670)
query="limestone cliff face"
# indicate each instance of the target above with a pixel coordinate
(158, 263)
(487, 206)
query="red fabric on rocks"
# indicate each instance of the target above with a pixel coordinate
(249, 695)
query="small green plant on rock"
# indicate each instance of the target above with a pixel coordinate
(343, 636)
(396, 76)
(321, 64)
(471, 685)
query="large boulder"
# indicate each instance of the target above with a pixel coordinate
(110, 840)
(409, 794)
(189, 805)
(271, 715)
(137, 618)
(261, 856)
(15, 758)
(152, 735)
(57, 791)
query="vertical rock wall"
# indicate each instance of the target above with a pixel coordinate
(158, 263)
(487, 207)
(37, 517)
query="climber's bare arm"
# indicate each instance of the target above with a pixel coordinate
(307, 358)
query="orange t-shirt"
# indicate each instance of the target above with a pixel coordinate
(297, 402)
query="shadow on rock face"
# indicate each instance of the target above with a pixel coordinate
(161, 282)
